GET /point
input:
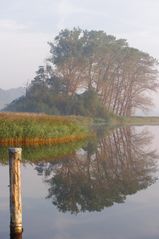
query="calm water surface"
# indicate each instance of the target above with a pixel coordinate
(108, 188)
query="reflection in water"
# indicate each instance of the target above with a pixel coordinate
(102, 173)
(38, 153)
(16, 236)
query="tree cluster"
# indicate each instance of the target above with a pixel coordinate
(98, 64)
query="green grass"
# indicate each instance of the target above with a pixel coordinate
(17, 126)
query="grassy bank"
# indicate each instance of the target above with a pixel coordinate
(29, 129)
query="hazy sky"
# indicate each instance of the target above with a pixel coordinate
(27, 25)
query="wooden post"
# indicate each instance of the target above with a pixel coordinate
(15, 191)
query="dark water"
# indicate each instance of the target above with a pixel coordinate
(106, 188)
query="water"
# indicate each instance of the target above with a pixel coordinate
(107, 188)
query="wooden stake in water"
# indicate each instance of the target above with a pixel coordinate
(15, 190)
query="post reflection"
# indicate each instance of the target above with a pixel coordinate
(102, 173)
(16, 236)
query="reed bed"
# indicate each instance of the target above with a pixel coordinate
(40, 117)
(18, 129)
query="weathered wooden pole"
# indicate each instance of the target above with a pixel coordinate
(15, 191)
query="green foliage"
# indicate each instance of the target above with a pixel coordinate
(39, 100)
(88, 104)
(67, 44)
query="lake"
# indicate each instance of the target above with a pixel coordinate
(105, 188)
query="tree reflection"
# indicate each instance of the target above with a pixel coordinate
(102, 173)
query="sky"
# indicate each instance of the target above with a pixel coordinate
(27, 25)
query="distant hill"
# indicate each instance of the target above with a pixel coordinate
(7, 96)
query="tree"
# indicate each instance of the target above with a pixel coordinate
(68, 58)
(94, 60)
